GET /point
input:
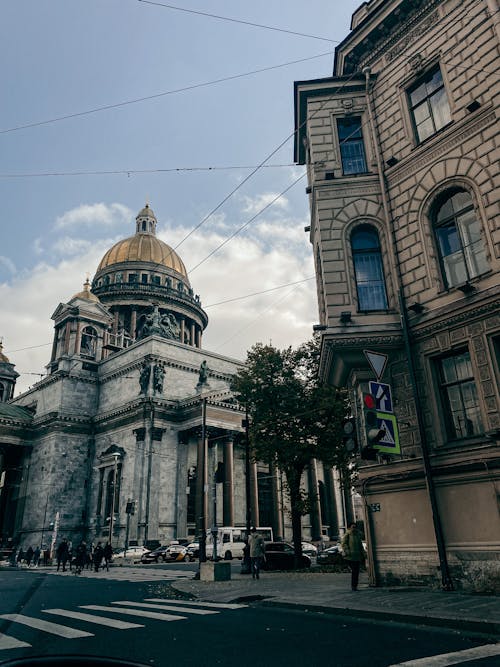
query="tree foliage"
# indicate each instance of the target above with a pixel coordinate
(293, 417)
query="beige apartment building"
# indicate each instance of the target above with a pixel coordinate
(402, 156)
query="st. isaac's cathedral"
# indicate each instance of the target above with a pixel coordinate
(111, 442)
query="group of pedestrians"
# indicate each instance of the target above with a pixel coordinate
(84, 556)
(30, 557)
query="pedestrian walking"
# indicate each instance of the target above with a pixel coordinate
(62, 554)
(97, 556)
(20, 557)
(354, 553)
(108, 555)
(257, 550)
(29, 556)
(80, 557)
(36, 557)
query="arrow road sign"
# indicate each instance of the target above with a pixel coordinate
(382, 394)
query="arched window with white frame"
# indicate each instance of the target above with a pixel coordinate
(461, 249)
(368, 268)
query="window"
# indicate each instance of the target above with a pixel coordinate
(156, 280)
(459, 396)
(88, 343)
(144, 278)
(461, 249)
(352, 150)
(368, 270)
(133, 277)
(429, 105)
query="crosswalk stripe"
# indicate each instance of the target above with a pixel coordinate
(201, 612)
(135, 612)
(47, 626)
(91, 618)
(215, 605)
(10, 642)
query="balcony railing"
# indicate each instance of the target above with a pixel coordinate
(147, 288)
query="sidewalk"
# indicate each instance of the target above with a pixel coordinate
(330, 592)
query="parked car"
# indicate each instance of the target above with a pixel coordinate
(135, 553)
(154, 556)
(330, 556)
(309, 549)
(193, 550)
(175, 552)
(281, 556)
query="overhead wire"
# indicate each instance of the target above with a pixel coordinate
(174, 91)
(240, 21)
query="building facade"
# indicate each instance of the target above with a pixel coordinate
(401, 148)
(130, 413)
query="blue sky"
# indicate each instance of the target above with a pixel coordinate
(66, 57)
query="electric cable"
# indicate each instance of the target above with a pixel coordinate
(233, 20)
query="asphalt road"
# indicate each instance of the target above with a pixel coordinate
(252, 635)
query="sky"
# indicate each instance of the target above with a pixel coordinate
(170, 105)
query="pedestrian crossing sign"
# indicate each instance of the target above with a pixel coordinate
(390, 442)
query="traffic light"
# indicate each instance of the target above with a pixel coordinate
(349, 435)
(373, 432)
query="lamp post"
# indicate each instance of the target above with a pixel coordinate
(113, 499)
(203, 522)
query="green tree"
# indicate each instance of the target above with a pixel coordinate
(293, 417)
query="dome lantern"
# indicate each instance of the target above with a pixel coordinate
(145, 221)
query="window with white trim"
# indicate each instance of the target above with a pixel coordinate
(429, 106)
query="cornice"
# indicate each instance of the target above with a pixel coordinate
(426, 155)
(448, 320)
(378, 340)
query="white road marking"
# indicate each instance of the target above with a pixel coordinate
(197, 603)
(135, 612)
(91, 618)
(10, 642)
(47, 626)
(202, 612)
(454, 658)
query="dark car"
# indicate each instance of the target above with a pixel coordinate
(281, 556)
(154, 556)
(330, 556)
(193, 551)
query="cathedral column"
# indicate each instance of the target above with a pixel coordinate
(315, 514)
(54, 344)
(198, 336)
(183, 325)
(67, 335)
(116, 322)
(228, 497)
(332, 517)
(193, 340)
(78, 338)
(277, 507)
(133, 323)
(254, 494)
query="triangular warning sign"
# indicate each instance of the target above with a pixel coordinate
(388, 438)
(377, 361)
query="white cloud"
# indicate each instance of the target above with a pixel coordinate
(253, 205)
(268, 256)
(7, 264)
(94, 215)
(38, 248)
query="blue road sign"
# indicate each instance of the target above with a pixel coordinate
(382, 394)
(390, 441)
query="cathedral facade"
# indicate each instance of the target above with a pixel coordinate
(112, 444)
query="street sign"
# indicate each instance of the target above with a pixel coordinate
(390, 442)
(377, 361)
(382, 394)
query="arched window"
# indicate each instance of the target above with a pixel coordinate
(368, 269)
(88, 345)
(458, 234)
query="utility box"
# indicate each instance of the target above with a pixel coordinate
(218, 571)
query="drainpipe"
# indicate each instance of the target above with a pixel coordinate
(446, 581)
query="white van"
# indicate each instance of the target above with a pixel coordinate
(231, 541)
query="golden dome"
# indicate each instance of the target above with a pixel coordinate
(86, 293)
(143, 248)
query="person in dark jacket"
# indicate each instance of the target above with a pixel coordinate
(354, 553)
(97, 556)
(80, 557)
(29, 556)
(36, 557)
(62, 554)
(108, 555)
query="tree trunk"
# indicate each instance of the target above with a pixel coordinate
(296, 512)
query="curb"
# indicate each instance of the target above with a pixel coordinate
(471, 625)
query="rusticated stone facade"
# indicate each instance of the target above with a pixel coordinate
(401, 147)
